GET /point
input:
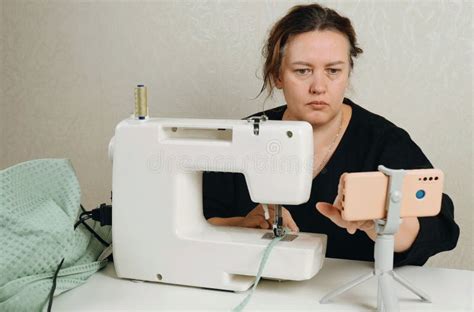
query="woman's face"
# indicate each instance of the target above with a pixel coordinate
(314, 75)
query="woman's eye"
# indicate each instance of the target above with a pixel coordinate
(302, 71)
(333, 71)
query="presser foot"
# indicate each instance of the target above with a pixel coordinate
(287, 238)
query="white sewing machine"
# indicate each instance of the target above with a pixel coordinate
(159, 231)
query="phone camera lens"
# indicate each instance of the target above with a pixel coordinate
(420, 194)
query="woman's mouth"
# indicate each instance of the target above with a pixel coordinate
(317, 104)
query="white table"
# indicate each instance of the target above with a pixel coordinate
(450, 290)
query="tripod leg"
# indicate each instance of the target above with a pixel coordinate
(380, 307)
(414, 290)
(379, 299)
(389, 297)
(346, 287)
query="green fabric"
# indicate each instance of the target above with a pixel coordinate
(39, 204)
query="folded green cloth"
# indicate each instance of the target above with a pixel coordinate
(39, 204)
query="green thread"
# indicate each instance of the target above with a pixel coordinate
(265, 256)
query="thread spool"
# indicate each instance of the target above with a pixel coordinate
(141, 105)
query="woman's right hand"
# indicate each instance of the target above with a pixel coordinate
(256, 219)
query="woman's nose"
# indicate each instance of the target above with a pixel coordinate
(318, 85)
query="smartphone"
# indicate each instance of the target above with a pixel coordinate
(364, 194)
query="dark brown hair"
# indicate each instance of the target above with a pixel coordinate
(301, 19)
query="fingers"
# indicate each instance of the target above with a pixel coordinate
(255, 221)
(262, 216)
(329, 211)
(351, 228)
(260, 210)
(264, 225)
(266, 213)
(333, 214)
(340, 191)
(367, 225)
(288, 221)
(361, 225)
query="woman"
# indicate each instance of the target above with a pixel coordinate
(309, 56)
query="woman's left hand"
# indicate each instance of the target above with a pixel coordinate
(333, 212)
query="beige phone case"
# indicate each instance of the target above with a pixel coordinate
(364, 194)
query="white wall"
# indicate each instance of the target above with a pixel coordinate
(69, 69)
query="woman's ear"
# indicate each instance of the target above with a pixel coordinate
(278, 83)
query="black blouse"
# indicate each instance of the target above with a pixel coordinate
(369, 140)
